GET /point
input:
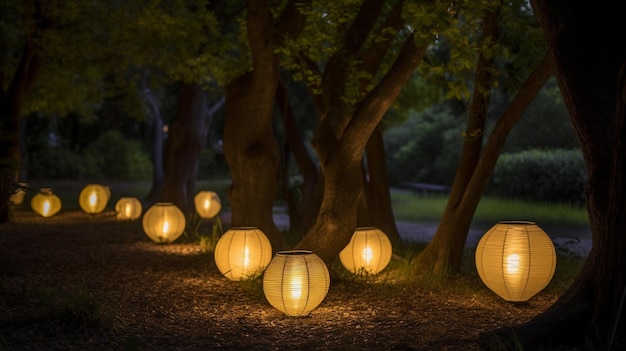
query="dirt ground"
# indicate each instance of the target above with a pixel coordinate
(81, 282)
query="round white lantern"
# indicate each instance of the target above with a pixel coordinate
(94, 198)
(369, 251)
(163, 222)
(45, 203)
(128, 208)
(515, 259)
(242, 253)
(296, 282)
(207, 204)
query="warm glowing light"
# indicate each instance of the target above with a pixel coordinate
(94, 198)
(207, 203)
(128, 208)
(45, 203)
(242, 253)
(46, 208)
(369, 251)
(296, 282)
(515, 260)
(513, 264)
(163, 222)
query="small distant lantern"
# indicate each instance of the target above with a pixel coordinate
(46, 203)
(242, 253)
(208, 204)
(515, 260)
(94, 198)
(17, 196)
(163, 222)
(128, 208)
(296, 282)
(369, 251)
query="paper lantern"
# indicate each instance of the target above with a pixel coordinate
(94, 198)
(296, 282)
(515, 259)
(128, 208)
(369, 251)
(46, 203)
(17, 196)
(163, 222)
(207, 203)
(242, 253)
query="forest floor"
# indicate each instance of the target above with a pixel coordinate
(81, 282)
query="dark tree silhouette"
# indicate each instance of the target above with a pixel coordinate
(586, 43)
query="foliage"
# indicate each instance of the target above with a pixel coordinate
(541, 175)
(425, 148)
(117, 158)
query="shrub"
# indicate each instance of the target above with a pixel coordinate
(541, 175)
(114, 157)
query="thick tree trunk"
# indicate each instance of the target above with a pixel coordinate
(186, 137)
(590, 314)
(250, 148)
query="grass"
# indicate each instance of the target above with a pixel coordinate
(412, 208)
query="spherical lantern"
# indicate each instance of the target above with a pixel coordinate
(94, 198)
(296, 282)
(163, 222)
(207, 203)
(515, 259)
(17, 196)
(128, 208)
(45, 203)
(242, 253)
(369, 251)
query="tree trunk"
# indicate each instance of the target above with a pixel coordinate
(157, 148)
(378, 211)
(186, 137)
(11, 103)
(340, 142)
(590, 314)
(250, 149)
(444, 252)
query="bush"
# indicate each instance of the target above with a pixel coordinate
(541, 175)
(116, 158)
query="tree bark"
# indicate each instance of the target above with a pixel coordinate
(377, 210)
(182, 149)
(590, 314)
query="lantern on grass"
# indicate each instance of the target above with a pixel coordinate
(207, 204)
(163, 222)
(369, 251)
(17, 196)
(515, 260)
(128, 208)
(242, 253)
(94, 198)
(296, 282)
(46, 203)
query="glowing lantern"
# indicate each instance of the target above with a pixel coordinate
(242, 253)
(94, 198)
(296, 282)
(17, 196)
(163, 222)
(207, 204)
(128, 208)
(515, 259)
(46, 203)
(369, 251)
